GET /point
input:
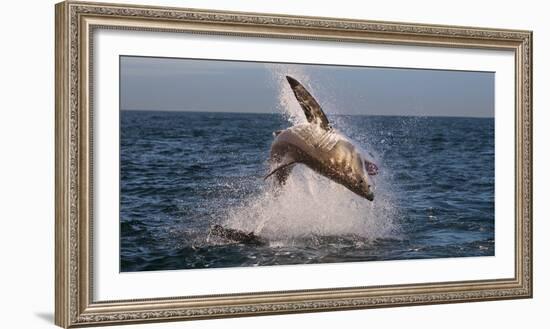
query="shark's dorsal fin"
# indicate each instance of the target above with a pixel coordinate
(312, 109)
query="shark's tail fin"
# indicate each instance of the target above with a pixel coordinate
(311, 108)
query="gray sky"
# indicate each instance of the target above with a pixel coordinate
(227, 86)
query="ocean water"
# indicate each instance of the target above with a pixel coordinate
(181, 172)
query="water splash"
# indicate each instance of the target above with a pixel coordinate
(288, 106)
(310, 204)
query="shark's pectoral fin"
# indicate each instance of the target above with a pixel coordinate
(312, 109)
(282, 171)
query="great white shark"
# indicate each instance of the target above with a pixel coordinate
(320, 147)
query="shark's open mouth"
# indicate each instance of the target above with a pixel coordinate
(372, 169)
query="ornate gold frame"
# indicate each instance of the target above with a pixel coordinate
(76, 21)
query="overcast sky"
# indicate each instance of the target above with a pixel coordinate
(164, 84)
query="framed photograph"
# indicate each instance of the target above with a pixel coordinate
(218, 164)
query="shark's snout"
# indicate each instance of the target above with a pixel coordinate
(367, 192)
(369, 196)
(364, 193)
(362, 188)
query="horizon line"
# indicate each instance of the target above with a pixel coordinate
(329, 114)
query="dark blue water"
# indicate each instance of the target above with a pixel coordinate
(184, 171)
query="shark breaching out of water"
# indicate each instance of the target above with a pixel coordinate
(320, 147)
